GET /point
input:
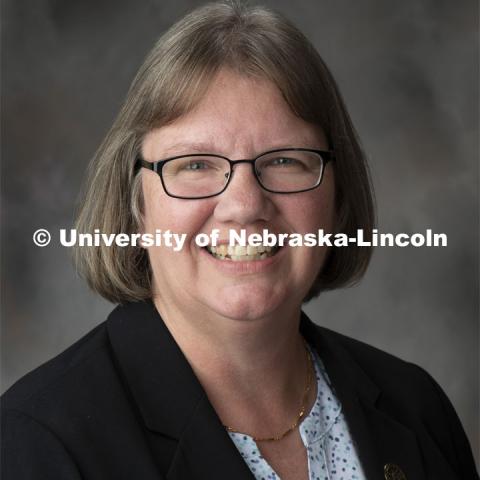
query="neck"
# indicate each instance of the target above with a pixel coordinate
(253, 371)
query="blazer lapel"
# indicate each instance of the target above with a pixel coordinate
(170, 399)
(206, 450)
(379, 439)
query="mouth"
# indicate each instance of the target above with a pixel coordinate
(240, 253)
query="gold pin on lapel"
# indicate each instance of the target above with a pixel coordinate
(393, 472)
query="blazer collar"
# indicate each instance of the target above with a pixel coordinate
(172, 401)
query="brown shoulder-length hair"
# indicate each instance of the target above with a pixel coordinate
(252, 41)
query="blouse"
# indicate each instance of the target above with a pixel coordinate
(324, 431)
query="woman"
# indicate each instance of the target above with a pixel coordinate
(208, 368)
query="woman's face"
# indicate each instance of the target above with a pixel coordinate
(239, 118)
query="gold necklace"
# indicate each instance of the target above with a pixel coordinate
(301, 413)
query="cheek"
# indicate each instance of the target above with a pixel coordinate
(310, 211)
(163, 213)
(174, 214)
(320, 206)
(307, 213)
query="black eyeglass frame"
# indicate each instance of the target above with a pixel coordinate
(157, 167)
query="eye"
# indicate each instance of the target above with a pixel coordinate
(197, 165)
(283, 161)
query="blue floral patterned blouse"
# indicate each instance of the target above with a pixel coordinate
(324, 432)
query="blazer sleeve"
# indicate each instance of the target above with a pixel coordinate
(453, 437)
(30, 451)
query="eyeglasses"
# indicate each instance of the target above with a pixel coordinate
(204, 175)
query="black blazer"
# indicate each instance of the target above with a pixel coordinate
(123, 403)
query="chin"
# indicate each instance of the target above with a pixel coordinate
(248, 302)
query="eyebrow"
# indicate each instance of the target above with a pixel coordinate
(185, 148)
(188, 147)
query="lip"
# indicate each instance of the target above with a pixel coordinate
(245, 267)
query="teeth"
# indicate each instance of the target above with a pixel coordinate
(240, 250)
(239, 253)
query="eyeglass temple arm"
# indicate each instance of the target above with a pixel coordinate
(328, 155)
(140, 162)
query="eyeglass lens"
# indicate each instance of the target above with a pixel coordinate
(282, 171)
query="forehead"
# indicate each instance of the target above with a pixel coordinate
(237, 116)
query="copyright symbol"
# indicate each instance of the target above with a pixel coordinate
(42, 237)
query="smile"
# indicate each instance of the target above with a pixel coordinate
(240, 253)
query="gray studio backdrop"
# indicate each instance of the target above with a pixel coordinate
(408, 71)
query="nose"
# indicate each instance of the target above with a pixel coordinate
(244, 202)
